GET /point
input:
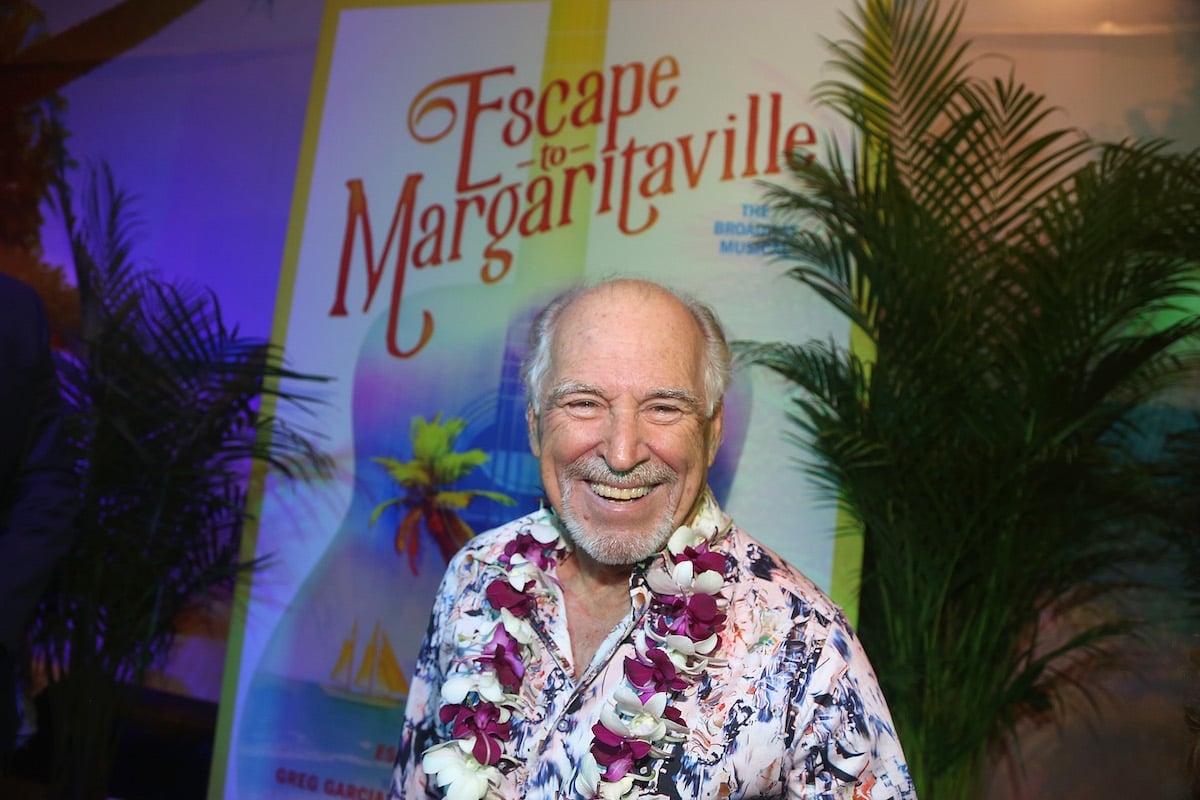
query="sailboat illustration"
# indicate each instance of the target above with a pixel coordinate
(379, 680)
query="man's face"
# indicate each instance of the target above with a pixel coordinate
(623, 439)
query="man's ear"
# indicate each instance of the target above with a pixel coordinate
(535, 433)
(716, 427)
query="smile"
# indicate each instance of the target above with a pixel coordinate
(620, 493)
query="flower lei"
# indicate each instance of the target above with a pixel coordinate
(673, 648)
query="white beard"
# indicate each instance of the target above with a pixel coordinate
(615, 546)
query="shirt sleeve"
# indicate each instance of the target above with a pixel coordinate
(420, 730)
(846, 745)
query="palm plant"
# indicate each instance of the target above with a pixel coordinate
(165, 415)
(428, 479)
(1015, 290)
(32, 135)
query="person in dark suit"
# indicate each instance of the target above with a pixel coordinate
(38, 487)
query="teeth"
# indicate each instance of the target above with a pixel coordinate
(618, 493)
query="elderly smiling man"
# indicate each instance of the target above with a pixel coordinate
(631, 641)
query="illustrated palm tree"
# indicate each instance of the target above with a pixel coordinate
(169, 410)
(1018, 296)
(428, 479)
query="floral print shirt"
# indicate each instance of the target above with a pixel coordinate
(790, 709)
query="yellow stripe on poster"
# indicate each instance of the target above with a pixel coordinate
(575, 45)
(248, 552)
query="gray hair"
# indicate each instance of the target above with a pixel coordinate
(717, 355)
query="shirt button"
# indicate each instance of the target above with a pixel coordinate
(563, 726)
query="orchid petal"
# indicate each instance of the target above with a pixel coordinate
(587, 780)
(521, 572)
(518, 628)
(545, 534)
(679, 644)
(709, 582)
(683, 538)
(618, 790)
(453, 766)
(455, 688)
(489, 687)
(683, 573)
(610, 720)
(661, 582)
(656, 704)
(627, 700)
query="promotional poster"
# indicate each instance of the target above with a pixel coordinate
(462, 163)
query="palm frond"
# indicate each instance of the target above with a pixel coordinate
(165, 417)
(1027, 292)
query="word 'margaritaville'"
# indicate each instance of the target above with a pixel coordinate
(570, 138)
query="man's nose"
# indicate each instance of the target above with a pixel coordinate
(624, 446)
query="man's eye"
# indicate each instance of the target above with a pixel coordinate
(665, 411)
(582, 406)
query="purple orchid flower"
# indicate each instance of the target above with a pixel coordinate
(616, 754)
(501, 594)
(528, 547)
(503, 656)
(652, 673)
(696, 616)
(703, 559)
(484, 723)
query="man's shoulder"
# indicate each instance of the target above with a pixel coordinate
(22, 321)
(15, 290)
(488, 545)
(762, 571)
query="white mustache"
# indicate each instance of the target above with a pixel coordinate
(594, 470)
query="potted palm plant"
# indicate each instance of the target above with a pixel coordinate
(1018, 294)
(169, 411)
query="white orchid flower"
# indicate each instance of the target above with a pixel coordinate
(619, 790)
(707, 647)
(543, 533)
(520, 571)
(690, 658)
(485, 683)
(708, 522)
(475, 629)
(519, 629)
(707, 582)
(587, 779)
(589, 783)
(681, 579)
(633, 719)
(660, 580)
(648, 721)
(683, 538)
(452, 765)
